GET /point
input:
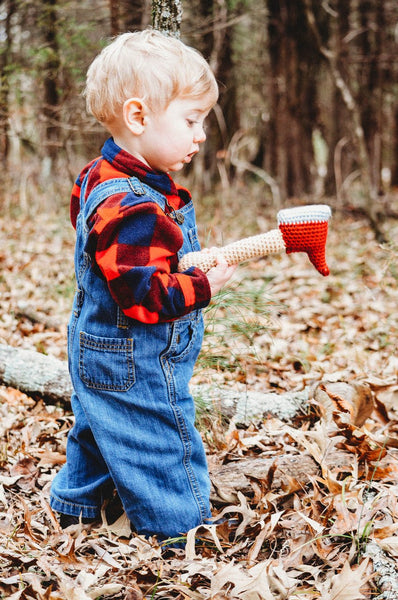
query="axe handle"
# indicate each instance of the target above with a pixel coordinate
(237, 252)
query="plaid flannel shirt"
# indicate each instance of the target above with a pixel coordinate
(134, 248)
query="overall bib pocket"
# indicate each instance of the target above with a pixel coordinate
(106, 363)
(184, 338)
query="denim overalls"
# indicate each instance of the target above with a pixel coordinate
(134, 415)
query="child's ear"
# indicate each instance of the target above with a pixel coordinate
(134, 112)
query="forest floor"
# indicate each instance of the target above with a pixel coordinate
(280, 327)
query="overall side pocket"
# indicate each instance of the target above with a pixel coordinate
(106, 363)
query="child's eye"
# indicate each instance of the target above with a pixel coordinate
(191, 122)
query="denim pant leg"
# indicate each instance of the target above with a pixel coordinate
(146, 433)
(155, 456)
(83, 483)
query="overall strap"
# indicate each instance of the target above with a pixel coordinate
(116, 186)
(84, 186)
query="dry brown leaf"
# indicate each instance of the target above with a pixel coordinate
(49, 458)
(347, 584)
(133, 593)
(390, 545)
(108, 589)
(27, 471)
(388, 471)
(249, 516)
(251, 584)
(121, 528)
(190, 551)
(314, 525)
(347, 519)
(354, 400)
(386, 531)
(104, 555)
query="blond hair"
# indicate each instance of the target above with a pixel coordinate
(148, 65)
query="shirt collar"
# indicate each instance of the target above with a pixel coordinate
(127, 163)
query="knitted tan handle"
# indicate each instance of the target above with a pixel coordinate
(250, 247)
(301, 229)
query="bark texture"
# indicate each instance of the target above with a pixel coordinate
(35, 374)
(166, 16)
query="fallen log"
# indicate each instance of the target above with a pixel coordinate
(35, 374)
(41, 375)
(271, 473)
(386, 568)
(242, 406)
(44, 376)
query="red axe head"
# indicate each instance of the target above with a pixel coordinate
(305, 229)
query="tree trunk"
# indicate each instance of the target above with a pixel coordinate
(114, 16)
(166, 16)
(371, 100)
(135, 14)
(394, 169)
(336, 130)
(5, 61)
(363, 159)
(217, 46)
(275, 160)
(129, 15)
(51, 72)
(289, 155)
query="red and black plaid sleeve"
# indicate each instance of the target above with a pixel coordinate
(134, 248)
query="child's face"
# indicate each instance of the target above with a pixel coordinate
(171, 138)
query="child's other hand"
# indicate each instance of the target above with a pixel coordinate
(220, 274)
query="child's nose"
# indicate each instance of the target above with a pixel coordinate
(199, 135)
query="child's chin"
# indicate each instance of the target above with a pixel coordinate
(176, 167)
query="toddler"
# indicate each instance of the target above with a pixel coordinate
(136, 325)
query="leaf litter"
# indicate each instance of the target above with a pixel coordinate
(331, 536)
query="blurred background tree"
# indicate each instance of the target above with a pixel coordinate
(308, 94)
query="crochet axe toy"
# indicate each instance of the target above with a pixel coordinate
(300, 229)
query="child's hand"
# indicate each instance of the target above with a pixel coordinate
(220, 274)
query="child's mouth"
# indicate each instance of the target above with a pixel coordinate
(189, 157)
